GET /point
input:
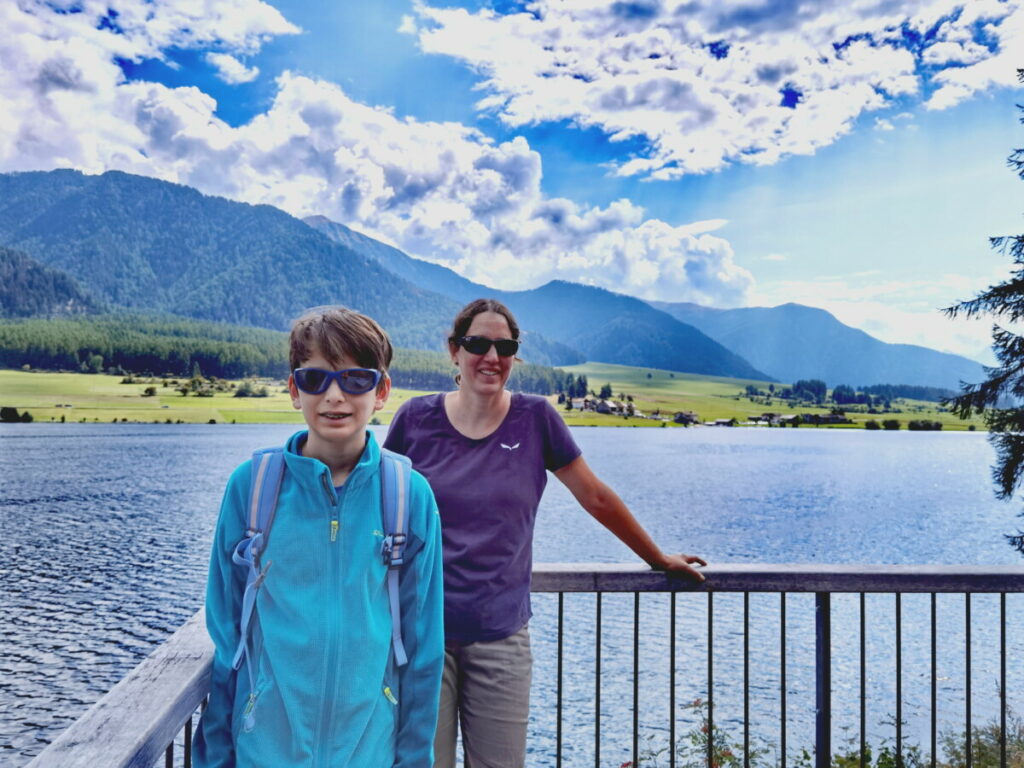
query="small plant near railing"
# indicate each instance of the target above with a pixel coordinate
(692, 749)
(985, 743)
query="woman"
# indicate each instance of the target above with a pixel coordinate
(485, 452)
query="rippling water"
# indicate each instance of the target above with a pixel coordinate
(106, 531)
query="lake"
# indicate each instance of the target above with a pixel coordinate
(106, 531)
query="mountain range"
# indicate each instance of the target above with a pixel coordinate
(792, 342)
(785, 343)
(602, 325)
(117, 241)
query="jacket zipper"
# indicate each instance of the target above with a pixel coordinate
(334, 507)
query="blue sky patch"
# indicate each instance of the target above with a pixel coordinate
(719, 49)
(632, 11)
(790, 97)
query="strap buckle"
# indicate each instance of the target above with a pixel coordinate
(392, 543)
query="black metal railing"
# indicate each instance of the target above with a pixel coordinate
(138, 721)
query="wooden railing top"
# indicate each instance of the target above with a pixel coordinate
(750, 577)
(135, 721)
(137, 718)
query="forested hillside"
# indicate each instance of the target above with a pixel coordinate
(611, 327)
(149, 245)
(28, 289)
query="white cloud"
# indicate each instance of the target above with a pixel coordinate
(438, 190)
(775, 257)
(709, 84)
(231, 70)
(881, 124)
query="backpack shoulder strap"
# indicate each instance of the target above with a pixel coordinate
(395, 483)
(264, 487)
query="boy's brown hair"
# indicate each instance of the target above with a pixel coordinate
(336, 332)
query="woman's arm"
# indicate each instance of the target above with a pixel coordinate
(609, 510)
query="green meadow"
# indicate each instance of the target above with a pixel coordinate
(78, 397)
(713, 397)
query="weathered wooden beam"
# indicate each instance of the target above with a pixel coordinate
(136, 720)
(637, 577)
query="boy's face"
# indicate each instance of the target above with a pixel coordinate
(336, 419)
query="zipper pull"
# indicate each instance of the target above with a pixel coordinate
(334, 530)
(248, 718)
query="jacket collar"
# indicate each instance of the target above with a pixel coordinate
(309, 470)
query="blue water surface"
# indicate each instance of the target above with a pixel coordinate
(106, 531)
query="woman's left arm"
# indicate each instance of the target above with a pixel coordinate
(611, 511)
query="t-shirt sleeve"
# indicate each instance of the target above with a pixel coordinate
(395, 441)
(559, 447)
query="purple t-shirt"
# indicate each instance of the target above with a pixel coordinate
(487, 492)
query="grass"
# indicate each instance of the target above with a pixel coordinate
(713, 397)
(50, 396)
(77, 397)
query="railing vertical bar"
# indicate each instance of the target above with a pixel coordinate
(188, 742)
(967, 667)
(1002, 680)
(863, 685)
(782, 674)
(636, 676)
(746, 680)
(597, 686)
(711, 680)
(935, 697)
(672, 684)
(823, 675)
(558, 700)
(169, 756)
(899, 681)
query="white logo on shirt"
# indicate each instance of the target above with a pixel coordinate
(509, 447)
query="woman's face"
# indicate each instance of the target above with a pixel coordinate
(485, 374)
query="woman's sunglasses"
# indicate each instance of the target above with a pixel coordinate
(481, 345)
(354, 381)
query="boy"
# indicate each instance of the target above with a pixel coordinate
(326, 688)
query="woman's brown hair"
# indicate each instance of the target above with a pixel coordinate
(477, 307)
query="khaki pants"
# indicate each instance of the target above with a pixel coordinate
(486, 690)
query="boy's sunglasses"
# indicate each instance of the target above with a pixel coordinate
(354, 381)
(481, 345)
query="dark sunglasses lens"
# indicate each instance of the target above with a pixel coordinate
(476, 345)
(310, 380)
(506, 347)
(358, 381)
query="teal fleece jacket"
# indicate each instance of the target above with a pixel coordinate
(327, 690)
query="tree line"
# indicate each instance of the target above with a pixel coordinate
(171, 346)
(815, 390)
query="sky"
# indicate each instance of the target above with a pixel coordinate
(845, 154)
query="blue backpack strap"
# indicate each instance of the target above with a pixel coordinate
(395, 482)
(267, 471)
